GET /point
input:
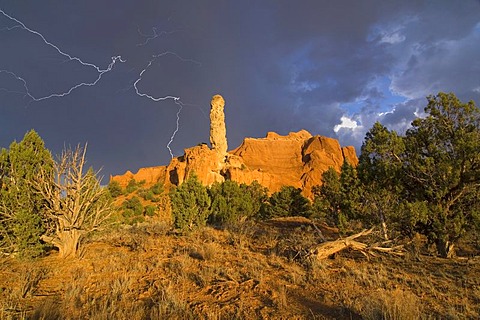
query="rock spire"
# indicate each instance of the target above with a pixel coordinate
(218, 131)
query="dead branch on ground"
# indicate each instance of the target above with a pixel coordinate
(328, 248)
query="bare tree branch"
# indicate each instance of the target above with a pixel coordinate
(326, 249)
(76, 203)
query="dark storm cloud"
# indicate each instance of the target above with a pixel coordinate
(424, 48)
(439, 51)
(281, 66)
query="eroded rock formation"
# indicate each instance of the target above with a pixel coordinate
(297, 159)
(218, 131)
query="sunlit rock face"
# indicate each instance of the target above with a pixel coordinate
(218, 131)
(298, 159)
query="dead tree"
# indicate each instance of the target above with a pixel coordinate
(76, 204)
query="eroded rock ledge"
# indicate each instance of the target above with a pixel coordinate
(297, 159)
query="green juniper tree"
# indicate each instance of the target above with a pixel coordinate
(288, 202)
(259, 196)
(442, 168)
(190, 204)
(429, 180)
(380, 172)
(21, 206)
(340, 196)
(352, 191)
(328, 198)
(233, 202)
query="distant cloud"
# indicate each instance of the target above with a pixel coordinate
(346, 122)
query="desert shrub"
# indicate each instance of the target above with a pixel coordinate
(233, 202)
(132, 210)
(147, 195)
(115, 189)
(150, 210)
(190, 204)
(157, 189)
(153, 193)
(288, 202)
(133, 185)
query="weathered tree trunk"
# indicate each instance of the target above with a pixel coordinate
(75, 202)
(66, 241)
(329, 248)
(70, 240)
(445, 249)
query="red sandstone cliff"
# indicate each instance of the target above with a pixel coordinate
(298, 159)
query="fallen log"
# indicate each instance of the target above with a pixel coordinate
(327, 249)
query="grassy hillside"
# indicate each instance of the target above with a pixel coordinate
(247, 271)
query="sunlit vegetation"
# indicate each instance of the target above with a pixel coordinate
(72, 249)
(426, 182)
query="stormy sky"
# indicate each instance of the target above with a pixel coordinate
(330, 67)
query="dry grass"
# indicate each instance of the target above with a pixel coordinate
(248, 271)
(390, 305)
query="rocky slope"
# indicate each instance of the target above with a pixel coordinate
(297, 159)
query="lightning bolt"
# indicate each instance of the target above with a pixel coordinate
(10, 28)
(68, 57)
(175, 99)
(16, 77)
(180, 107)
(154, 35)
(101, 72)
